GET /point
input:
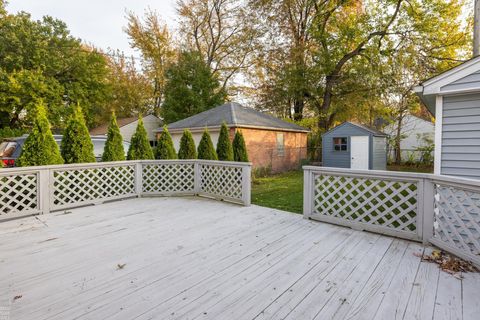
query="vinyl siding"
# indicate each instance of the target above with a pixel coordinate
(379, 153)
(468, 82)
(461, 135)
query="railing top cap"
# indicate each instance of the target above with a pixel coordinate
(117, 163)
(396, 174)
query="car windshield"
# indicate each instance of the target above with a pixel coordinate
(7, 148)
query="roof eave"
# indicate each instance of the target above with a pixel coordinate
(215, 128)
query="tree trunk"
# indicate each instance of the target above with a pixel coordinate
(298, 105)
(398, 140)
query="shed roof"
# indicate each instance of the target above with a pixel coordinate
(365, 128)
(453, 81)
(234, 115)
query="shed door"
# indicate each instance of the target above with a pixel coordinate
(359, 147)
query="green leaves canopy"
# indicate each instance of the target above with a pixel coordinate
(165, 149)
(187, 146)
(113, 150)
(206, 150)
(39, 59)
(239, 149)
(40, 147)
(77, 146)
(224, 145)
(190, 89)
(140, 148)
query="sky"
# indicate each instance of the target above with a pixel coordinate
(97, 22)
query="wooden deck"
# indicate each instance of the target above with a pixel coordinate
(192, 258)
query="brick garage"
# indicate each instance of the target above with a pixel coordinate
(272, 144)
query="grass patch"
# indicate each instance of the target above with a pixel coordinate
(405, 168)
(281, 191)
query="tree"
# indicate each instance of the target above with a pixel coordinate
(224, 145)
(239, 149)
(165, 149)
(40, 59)
(190, 89)
(206, 150)
(334, 58)
(113, 150)
(152, 38)
(131, 90)
(139, 145)
(285, 59)
(187, 146)
(77, 146)
(223, 33)
(40, 147)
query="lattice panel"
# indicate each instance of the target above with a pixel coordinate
(92, 184)
(457, 218)
(223, 181)
(18, 194)
(168, 178)
(385, 203)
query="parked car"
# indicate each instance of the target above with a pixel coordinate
(10, 148)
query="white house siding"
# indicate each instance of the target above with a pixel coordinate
(150, 122)
(197, 136)
(461, 136)
(415, 130)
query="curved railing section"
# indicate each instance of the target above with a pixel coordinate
(35, 190)
(441, 210)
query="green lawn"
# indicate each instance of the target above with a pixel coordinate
(282, 191)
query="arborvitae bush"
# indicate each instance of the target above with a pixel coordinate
(113, 150)
(224, 145)
(239, 149)
(140, 148)
(165, 149)
(206, 150)
(40, 147)
(187, 146)
(77, 146)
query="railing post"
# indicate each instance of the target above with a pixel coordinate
(307, 192)
(428, 211)
(138, 178)
(246, 184)
(197, 179)
(44, 190)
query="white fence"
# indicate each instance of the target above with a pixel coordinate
(34, 190)
(442, 210)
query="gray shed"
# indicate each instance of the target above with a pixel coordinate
(352, 145)
(453, 97)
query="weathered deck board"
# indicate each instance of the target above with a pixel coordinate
(191, 258)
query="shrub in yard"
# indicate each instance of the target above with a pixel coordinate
(206, 150)
(224, 145)
(40, 147)
(239, 149)
(165, 149)
(187, 146)
(77, 146)
(139, 146)
(113, 150)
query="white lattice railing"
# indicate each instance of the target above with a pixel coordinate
(33, 190)
(441, 210)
